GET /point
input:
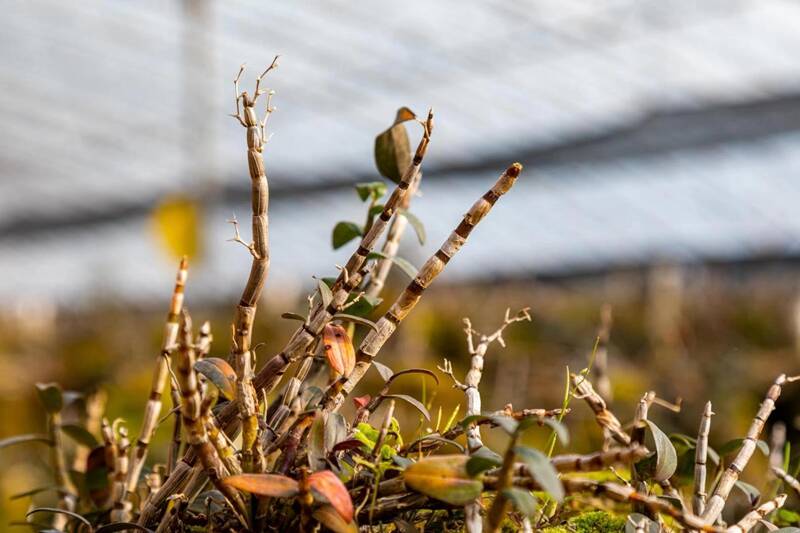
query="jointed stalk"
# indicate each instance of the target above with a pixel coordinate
(192, 415)
(270, 374)
(246, 396)
(406, 302)
(392, 243)
(160, 375)
(717, 501)
(700, 458)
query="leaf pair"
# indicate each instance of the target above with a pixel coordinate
(324, 484)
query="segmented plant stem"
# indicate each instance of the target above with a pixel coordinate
(700, 459)
(271, 373)
(717, 501)
(192, 415)
(152, 409)
(405, 303)
(392, 243)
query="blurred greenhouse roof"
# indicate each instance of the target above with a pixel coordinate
(651, 131)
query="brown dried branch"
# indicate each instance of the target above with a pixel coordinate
(605, 418)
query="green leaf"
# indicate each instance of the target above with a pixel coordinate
(482, 460)
(393, 149)
(38, 490)
(365, 305)
(385, 372)
(416, 223)
(53, 510)
(523, 501)
(407, 268)
(316, 443)
(30, 437)
(293, 316)
(50, 396)
(220, 373)
(121, 526)
(508, 424)
(356, 320)
(752, 493)
(324, 292)
(372, 189)
(561, 430)
(413, 401)
(734, 445)
(345, 232)
(666, 457)
(444, 478)
(80, 435)
(542, 470)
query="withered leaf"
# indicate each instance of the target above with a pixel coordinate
(443, 477)
(273, 485)
(339, 349)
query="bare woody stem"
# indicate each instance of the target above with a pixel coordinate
(246, 397)
(700, 459)
(392, 243)
(348, 280)
(717, 501)
(472, 511)
(752, 518)
(405, 303)
(152, 409)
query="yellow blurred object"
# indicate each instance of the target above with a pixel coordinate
(176, 222)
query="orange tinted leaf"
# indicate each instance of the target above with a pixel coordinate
(328, 485)
(264, 484)
(220, 373)
(362, 401)
(443, 477)
(339, 349)
(330, 518)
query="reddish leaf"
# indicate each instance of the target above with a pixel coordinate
(362, 401)
(272, 485)
(328, 485)
(339, 349)
(330, 518)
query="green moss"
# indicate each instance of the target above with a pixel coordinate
(591, 522)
